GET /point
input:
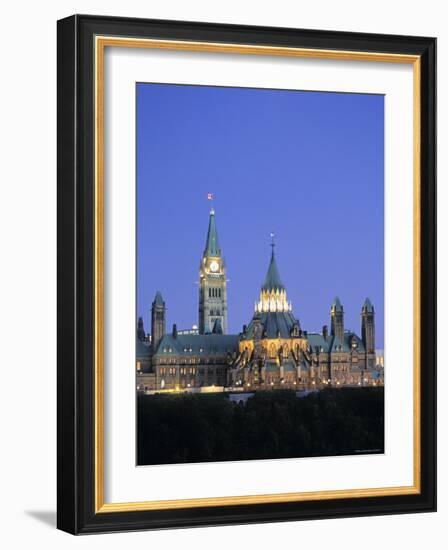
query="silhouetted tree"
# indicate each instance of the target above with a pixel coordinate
(272, 424)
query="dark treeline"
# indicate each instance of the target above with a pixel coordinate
(272, 424)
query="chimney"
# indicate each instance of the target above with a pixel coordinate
(174, 331)
(325, 331)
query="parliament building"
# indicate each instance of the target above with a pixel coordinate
(271, 352)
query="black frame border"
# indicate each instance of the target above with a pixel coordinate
(75, 272)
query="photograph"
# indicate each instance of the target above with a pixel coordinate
(259, 273)
(246, 274)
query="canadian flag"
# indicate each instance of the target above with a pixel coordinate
(210, 196)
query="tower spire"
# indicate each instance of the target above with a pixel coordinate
(273, 291)
(212, 247)
(272, 280)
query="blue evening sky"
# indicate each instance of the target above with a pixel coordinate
(307, 166)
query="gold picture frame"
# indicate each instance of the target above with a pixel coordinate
(97, 35)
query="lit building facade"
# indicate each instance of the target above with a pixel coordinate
(272, 350)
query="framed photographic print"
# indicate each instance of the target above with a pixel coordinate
(246, 274)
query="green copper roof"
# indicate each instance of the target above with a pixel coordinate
(332, 344)
(158, 300)
(337, 304)
(212, 247)
(368, 306)
(272, 280)
(142, 350)
(198, 344)
(278, 324)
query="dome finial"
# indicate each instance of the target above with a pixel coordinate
(272, 242)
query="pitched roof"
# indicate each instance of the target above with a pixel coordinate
(317, 340)
(337, 345)
(274, 323)
(272, 281)
(158, 300)
(368, 306)
(212, 247)
(142, 350)
(206, 344)
(337, 304)
(333, 344)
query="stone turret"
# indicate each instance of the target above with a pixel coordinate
(158, 321)
(368, 326)
(337, 319)
(141, 335)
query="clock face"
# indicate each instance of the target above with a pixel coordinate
(214, 266)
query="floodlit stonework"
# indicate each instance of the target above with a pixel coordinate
(271, 352)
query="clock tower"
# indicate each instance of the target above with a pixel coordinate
(212, 284)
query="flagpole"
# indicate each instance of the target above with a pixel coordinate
(211, 197)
